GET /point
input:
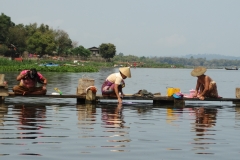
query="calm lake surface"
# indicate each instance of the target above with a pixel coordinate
(42, 128)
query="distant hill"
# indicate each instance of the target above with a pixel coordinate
(211, 56)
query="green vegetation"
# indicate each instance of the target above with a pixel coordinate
(5, 24)
(117, 60)
(145, 62)
(42, 40)
(87, 66)
(8, 65)
(167, 62)
(82, 51)
(107, 51)
(191, 62)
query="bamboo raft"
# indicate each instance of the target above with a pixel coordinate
(93, 98)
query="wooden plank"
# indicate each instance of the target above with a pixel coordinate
(128, 97)
(214, 99)
(11, 94)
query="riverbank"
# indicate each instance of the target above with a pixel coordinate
(69, 65)
(62, 66)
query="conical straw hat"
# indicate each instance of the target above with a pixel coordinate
(198, 71)
(126, 71)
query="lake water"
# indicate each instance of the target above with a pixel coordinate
(41, 128)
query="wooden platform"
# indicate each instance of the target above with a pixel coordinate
(90, 97)
(155, 99)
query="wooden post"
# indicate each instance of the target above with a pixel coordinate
(162, 102)
(90, 97)
(80, 100)
(3, 91)
(83, 84)
(237, 92)
(156, 102)
(179, 103)
(3, 88)
(2, 79)
(2, 100)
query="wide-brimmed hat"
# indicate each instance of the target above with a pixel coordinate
(125, 71)
(198, 71)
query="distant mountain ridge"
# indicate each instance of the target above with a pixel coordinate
(211, 56)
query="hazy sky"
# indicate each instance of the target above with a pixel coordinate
(139, 27)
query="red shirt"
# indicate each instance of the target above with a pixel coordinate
(28, 82)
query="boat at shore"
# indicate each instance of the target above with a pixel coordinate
(233, 68)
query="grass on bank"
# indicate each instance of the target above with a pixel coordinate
(9, 65)
(87, 66)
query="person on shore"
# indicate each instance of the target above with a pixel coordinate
(205, 87)
(28, 83)
(114, 83)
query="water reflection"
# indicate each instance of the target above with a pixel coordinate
(112, 116)
(89, 131)
(29, 118)
(205, 121)
(86, 112)
(237, 115)
(3, 112)
(173, 114)
(113, 121)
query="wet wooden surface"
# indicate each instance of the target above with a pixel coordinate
(127, 97)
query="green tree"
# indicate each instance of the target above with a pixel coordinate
(143, 58)
(107, 50)
(3, 49)
(81, 51)
(121, 54)
(31, 29)
(63, 42)
(41, 43)
(17, 35)
(5, 24)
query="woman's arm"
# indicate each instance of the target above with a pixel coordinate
(21, 76)
(197, 88)
(44, 86)
(44, 80)
(206, 86)
(117, 93)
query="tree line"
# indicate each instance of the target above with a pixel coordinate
(177, 62)
(188, 62)
(41, 39)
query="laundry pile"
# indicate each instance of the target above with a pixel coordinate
(145, 93)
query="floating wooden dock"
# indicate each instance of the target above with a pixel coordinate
(93, 98)
(81, 99)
